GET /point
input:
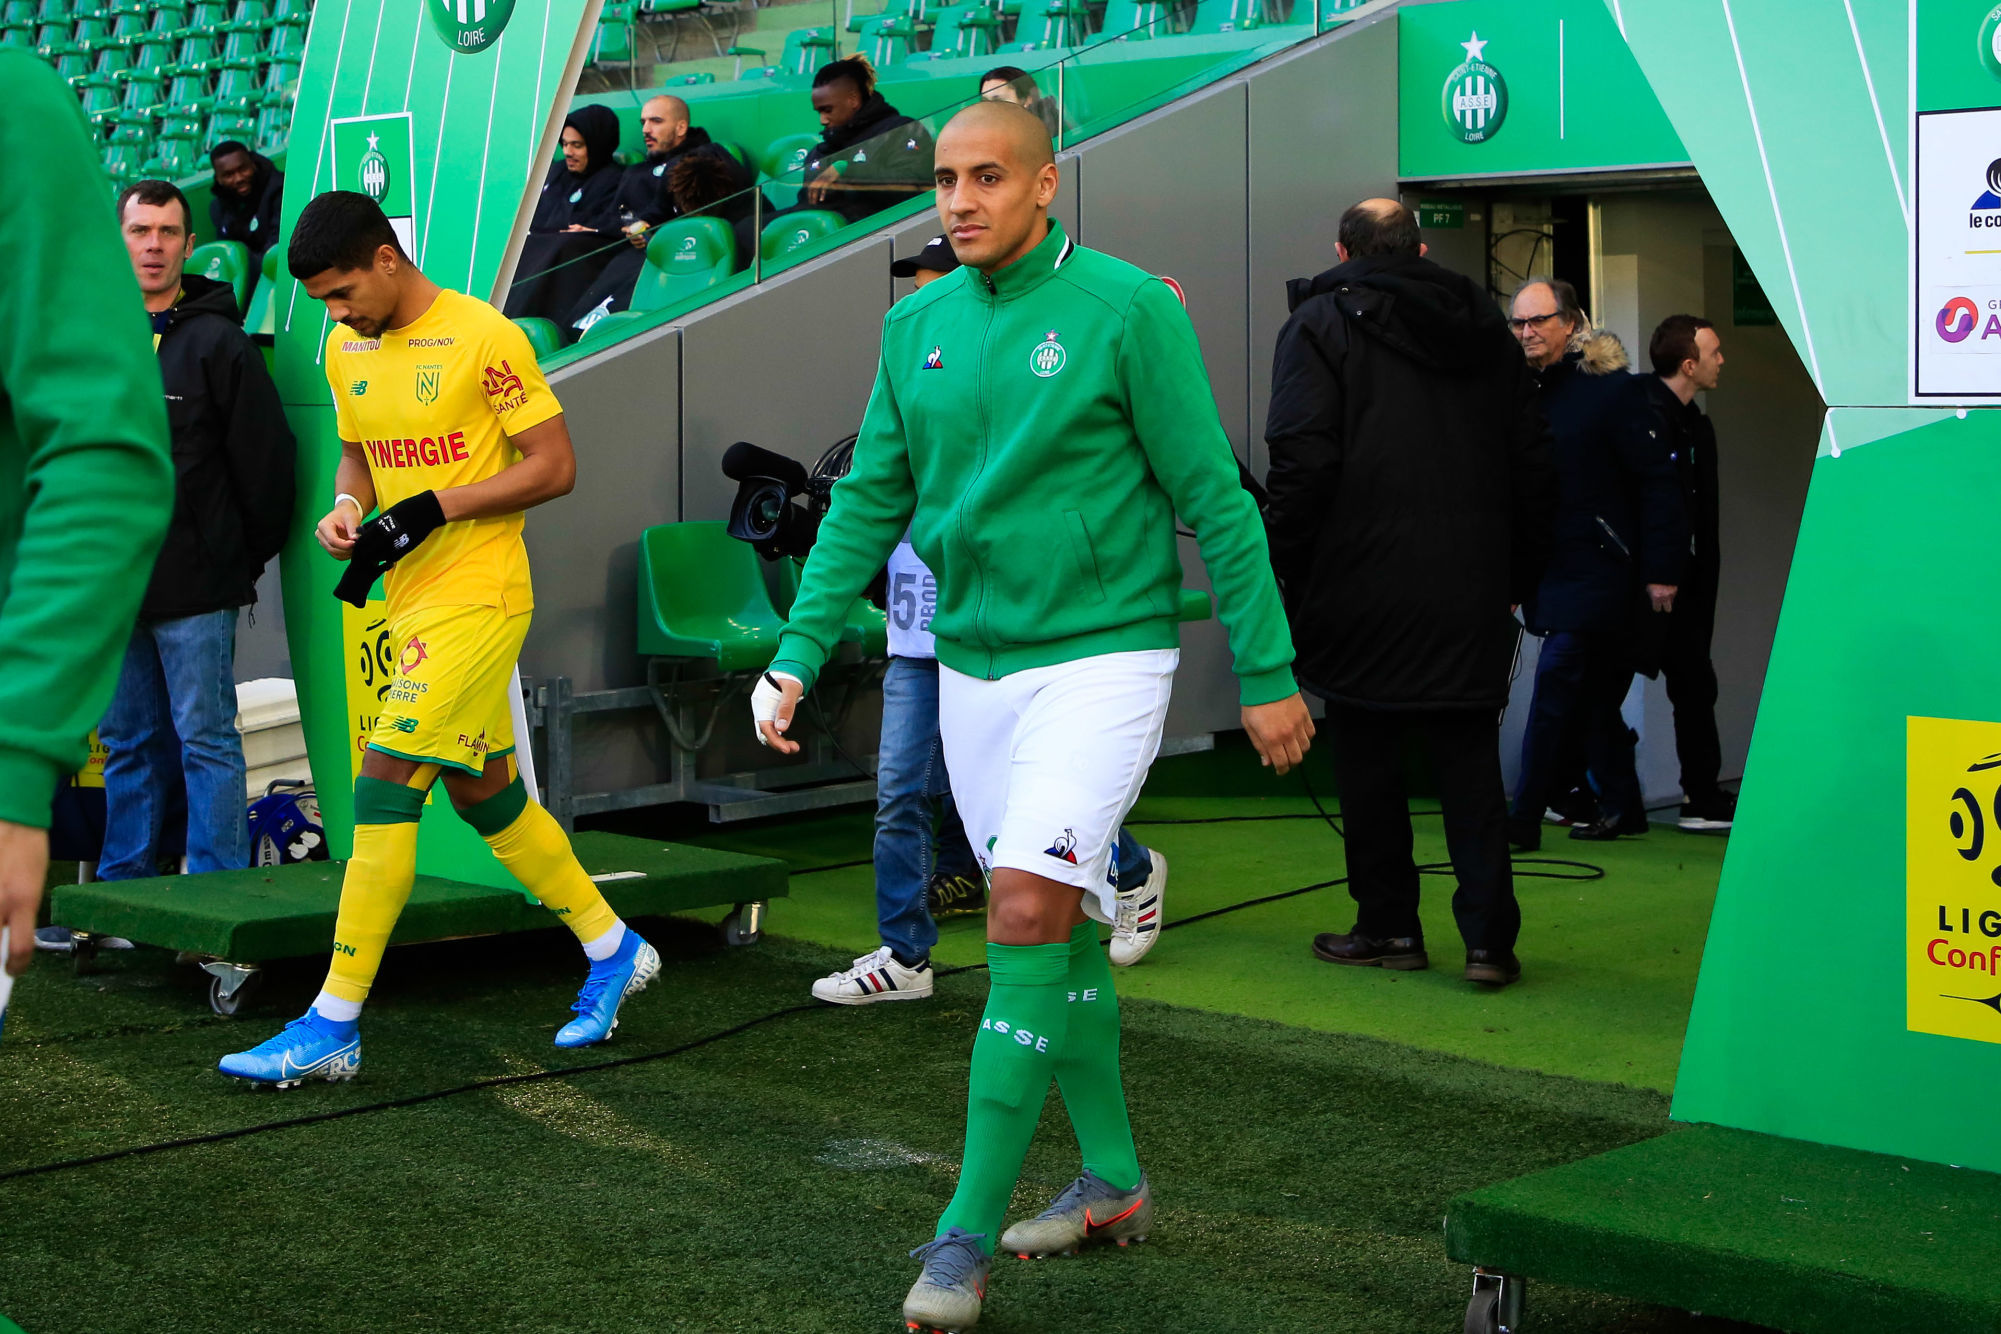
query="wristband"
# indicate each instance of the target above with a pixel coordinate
(360, 510)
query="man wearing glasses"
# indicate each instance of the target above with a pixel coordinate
(1621, 541)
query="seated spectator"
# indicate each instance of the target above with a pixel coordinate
(870, 155)
(711, 182)
(645, 199)
(248, 193)
(565, 249)
(1011, 83)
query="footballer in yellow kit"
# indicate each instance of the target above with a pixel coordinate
(448, 432)
(434, 406)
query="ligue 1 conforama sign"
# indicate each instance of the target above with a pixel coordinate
(469, 26)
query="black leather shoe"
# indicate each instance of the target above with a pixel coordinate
(1403, 953)
(1496, 968)
(1605, 830)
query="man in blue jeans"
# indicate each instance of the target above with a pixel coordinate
(172, 720)
(916, 875)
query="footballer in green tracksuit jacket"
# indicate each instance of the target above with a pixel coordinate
(86, 480)
(1039, 419)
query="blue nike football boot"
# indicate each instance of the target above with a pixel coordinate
(309, 1047)
(625, 973)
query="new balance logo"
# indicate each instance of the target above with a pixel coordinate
(405, 725)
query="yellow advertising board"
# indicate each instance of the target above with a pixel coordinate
(1952, 881)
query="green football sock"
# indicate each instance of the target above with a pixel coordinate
(1087, 1068)
(1013, 1053)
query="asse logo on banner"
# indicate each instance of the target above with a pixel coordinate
(1475, 101)
(469, 26)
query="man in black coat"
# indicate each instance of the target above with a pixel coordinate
(248, 193)
(1688, 359)
(1411, 496)
(172, 718)
(1621, 545)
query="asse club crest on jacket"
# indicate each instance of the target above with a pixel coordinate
(469, 26)
(1475, 100)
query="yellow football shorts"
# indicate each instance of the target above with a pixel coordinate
(448, 704)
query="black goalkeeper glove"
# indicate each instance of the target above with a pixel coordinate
(386, 539)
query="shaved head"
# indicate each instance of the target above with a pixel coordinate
(1017, 130)
(996, 175)
(663, 123)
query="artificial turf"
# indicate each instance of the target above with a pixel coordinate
(772, 1179)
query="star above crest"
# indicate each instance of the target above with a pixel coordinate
(1475, 48)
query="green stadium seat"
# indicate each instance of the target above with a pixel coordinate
(612, 43)
(611, 328)
(683, 258)
(689, 80)
(1021, 47)
(864, 626)
(261, 319)
(784, 157)
(1064, 22)
(792, 232)
(806, 49)
(702, 595)
(887, 39)
(543, 335)
(1134, 20)
(1219, 16)
(225, 262)
(964, 30)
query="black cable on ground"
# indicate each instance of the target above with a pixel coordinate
(1589, 871)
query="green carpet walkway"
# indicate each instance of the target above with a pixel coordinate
(1609, 965)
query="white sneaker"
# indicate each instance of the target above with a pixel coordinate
(875, 977)
(1140, 915)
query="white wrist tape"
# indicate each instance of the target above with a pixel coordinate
(360, 510)
(764, 702)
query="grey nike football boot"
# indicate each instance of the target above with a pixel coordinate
(947, 1296)
(1090, 1210)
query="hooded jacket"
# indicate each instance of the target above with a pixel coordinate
(1620, 521)
(1411, 489)
(569, 200)
(883, 155)
(253, 218)
(233, 459)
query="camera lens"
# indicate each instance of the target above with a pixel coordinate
(764, 511)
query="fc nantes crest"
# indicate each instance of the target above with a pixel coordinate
(469, 26)
(1476, 96)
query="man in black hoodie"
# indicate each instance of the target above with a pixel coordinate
(248, 193)
(566, 246)
(173, 715)
(1411, 501)
(645, 200)
(870, 155)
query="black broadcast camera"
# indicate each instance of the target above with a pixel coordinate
(779, 505)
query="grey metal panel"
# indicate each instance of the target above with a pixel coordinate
(623, 411)
(791, 373)
(1322, 134)
(1199, 240)
(261, 648)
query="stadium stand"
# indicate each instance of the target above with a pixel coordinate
(162, 83)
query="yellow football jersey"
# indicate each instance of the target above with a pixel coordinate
(432, 405)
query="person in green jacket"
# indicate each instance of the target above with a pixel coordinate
(86, 482)
(1039, 419)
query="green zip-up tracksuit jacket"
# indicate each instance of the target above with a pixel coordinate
(86, 482)
(1037, 431)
